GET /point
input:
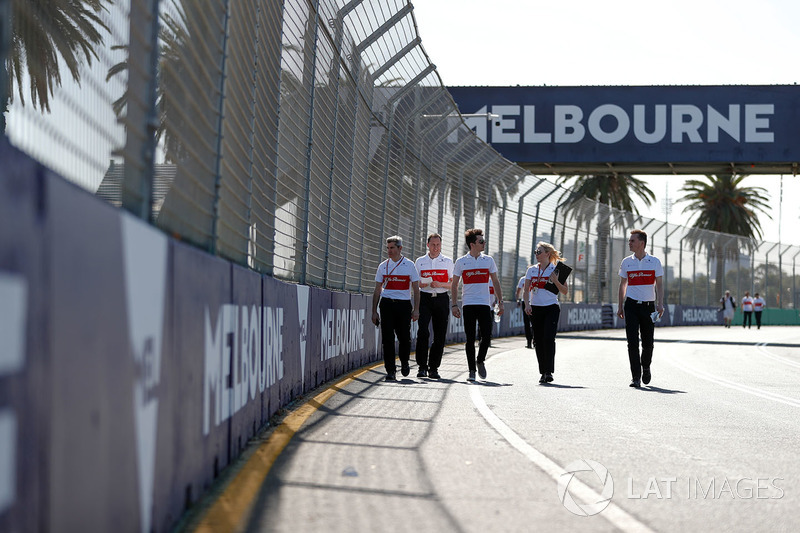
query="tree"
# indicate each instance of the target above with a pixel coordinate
(722, 205)
(612, 204)
(44, 32)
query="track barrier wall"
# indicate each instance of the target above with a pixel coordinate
(135, 368)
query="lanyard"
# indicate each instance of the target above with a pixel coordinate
(395, 266)
(540, 275)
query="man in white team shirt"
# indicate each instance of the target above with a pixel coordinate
(395, 280)
(641, 292)
(436, 274)
(476, 268)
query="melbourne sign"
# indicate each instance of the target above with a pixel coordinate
(739, 124)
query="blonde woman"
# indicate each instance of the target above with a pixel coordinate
(542, 306)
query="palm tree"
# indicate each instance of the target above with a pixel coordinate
(43, 33)
(721, 204)
(613, 206)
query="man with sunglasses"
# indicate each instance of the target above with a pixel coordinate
(476, 268)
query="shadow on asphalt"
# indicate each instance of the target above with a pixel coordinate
(662, 391)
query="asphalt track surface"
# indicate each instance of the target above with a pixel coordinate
(711, 444)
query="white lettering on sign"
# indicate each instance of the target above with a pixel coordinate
(610, 123)
(580, 316)
(693, 316)
(237, 364)
(342, 332)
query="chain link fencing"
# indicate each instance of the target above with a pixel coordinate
(294, 137)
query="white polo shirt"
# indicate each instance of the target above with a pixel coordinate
(541, 297)
(396, 278)
(475, 274)
(641, 276)
(747, 303)
(440, 268)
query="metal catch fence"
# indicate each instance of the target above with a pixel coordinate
(293, 137)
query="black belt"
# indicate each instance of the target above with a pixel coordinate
(394, 299)
(637, 302)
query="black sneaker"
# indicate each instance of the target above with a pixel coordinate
(549, 377)
(471, 376)
(528, 346)
(646, 376)
(635, 383)
(405, 369)
(543, 379)
(433, 374)
(390, 377)
(482, 370)
(422, 373)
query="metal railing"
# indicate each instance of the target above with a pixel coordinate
(293, 137)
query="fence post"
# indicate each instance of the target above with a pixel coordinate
(5, 47)
(310, 142)
(141, 121)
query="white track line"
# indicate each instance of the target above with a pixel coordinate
(613, 513)
(762, 347)
(775, 397)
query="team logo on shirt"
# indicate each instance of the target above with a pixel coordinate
(642, 277)
(478, 275)
(436, 275)
(398, 283)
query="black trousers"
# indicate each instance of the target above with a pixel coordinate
(637, 320)
(526, 321)
(395, 320)
(747, 318)
(758, 318)
(434, 309)
(482, 315)
(544, 322)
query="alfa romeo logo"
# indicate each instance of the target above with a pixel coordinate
(565, 483)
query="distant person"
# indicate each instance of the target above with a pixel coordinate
(526, 318)
(395, 282)
(476, 269)
(542, 306)
(728, 305)
(747, 310)
(641, 293)
(436, 275)
(758, 307)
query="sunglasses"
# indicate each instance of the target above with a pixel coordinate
(481, 241)
(540, 251)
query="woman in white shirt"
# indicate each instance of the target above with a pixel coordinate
(542, 306)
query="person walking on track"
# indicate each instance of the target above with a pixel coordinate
(395, 282)
(542, 306)
(476, 268)
(436, 275)
(641, 293)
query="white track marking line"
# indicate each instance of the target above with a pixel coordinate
(775, 397)
(762, 347)
(613, 513)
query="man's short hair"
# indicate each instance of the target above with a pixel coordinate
(641, 235)
(434, 236)
(397, 239)
(471, 235)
